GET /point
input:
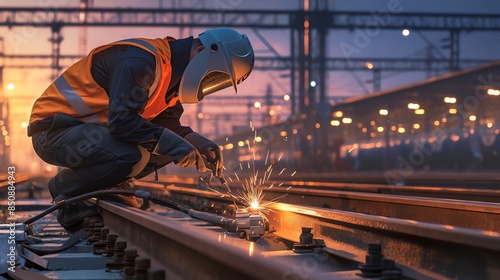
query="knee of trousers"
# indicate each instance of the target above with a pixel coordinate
(139, 162)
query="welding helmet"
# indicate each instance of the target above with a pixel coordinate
(226, 60)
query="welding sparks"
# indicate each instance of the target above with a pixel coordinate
(254, 204)
(253, 188)
(251, 194)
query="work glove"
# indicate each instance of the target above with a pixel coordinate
(183, 153)
(210, 151)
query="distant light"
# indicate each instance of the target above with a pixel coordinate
(24, 125)
(383, 112)
(11, 86)
(413, 106)
(338, 114)
(283, 133)
(364, 129)
(200, 115)
(380, 129)
(241, 143)
(452, 111)
(489, 125)
(444, 120)
(258, 139)
(401, 130)
(229, 146)
(335, 123)
(420, 111)
(450, 100)
(294, 131)
(369, 65)
(313, 83)
(286, 97)
(494, 92)
(309, 137)
(272, 112)
(416, 125)
(347, 120)
(257, 104)
(436, 122)
(393, 128)
(405, 32)
(472, 118)
(317, 125)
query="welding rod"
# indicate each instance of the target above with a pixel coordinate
(223, 181)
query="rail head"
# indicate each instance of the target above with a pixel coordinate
(186, 249)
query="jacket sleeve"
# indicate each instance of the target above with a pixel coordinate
(129, 84)
(170, 118)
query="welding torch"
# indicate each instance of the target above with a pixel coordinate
(217, 172)
(248, 223)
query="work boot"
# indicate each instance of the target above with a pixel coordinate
(120, 198)
(71, 216)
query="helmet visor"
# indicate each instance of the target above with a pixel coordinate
(213, 82)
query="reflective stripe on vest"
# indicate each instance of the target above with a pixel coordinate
(75, 100)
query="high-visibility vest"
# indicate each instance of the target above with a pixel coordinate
(75, 92)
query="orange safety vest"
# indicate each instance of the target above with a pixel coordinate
(75, 92)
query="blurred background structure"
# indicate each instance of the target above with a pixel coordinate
(311, 56)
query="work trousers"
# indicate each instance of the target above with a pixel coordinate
(92, 158)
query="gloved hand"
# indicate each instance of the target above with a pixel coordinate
(209, 150)
(183, 153)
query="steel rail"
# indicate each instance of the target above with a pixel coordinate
(190, 252)
(486, 180)
(419, 249)
(467, 214)
(473, 193)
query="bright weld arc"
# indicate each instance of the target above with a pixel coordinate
(253, 187)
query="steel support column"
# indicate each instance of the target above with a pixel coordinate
(56, 40)
(454, 50)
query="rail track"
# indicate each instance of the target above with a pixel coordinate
(356, 230)
(408, 224)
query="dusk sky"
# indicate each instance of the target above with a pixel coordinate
(388, 43)
(30, 83)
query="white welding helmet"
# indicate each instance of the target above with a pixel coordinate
(226, 60)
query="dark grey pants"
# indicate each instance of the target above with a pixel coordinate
(92, 157)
